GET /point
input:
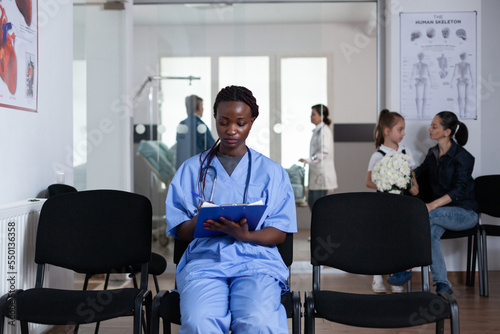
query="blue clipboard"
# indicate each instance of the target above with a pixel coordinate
(253, 214)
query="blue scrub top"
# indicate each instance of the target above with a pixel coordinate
(225, 257)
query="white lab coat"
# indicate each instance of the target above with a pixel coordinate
(322, 175)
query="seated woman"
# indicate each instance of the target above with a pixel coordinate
(445, 177)
(233, 281)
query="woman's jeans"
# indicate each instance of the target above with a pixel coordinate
(442, 219)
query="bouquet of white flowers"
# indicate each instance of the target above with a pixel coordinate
(393, 173)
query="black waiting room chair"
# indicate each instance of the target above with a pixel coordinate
(488, 196)
(166, 303)
(374, 234)
(156, 266)
(88, 232)
(59, 189)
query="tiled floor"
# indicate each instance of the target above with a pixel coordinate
(477, 314)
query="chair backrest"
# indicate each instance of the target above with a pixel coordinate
(488, 194)
(370, 233)
(285, 249)
(94, 231)
(58, 189)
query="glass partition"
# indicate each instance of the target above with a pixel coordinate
(253, 73)
(303, 84)
(291, 55)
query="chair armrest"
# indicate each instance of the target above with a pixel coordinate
(157, 300)
(143, 295)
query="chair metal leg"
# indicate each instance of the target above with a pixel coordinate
(147, 321)
(476, 253)
(296, 314)
(155, 316)
(468, 267)
(86, 281)
(167, 328)
(1, 323)
(309, 313)
(134, 280)
(157, 286)
(471, 260)
(455, 325)
(138, 321)
(106, 283)
(97, 325)
(24, 327)
(480, 261)
(85, 286)
(440, 327)
(484, 248)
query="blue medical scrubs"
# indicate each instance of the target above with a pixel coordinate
(224, 283)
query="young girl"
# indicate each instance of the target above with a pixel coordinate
(232, 282)
(388, 134)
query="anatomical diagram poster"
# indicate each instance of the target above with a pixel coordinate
(19, 54)
(438, 64)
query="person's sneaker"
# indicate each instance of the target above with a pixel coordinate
(443, 288)
(378, 286)
(399, 278)
(397, 288)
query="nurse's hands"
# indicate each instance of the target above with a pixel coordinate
(267, 236)
(238, 230)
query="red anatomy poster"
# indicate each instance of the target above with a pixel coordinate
(19, 54)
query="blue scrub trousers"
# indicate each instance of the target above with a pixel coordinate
(249, 304)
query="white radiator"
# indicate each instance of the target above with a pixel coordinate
(18, 226)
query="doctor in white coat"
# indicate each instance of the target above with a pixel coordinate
(322, 175)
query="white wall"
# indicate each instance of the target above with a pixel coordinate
(35, 145)
(490, 88)
(483, 132)
(490, 101)
(109, 112)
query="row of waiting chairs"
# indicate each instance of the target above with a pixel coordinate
(93, 232)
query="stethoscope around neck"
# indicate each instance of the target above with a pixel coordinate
(214, 171)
